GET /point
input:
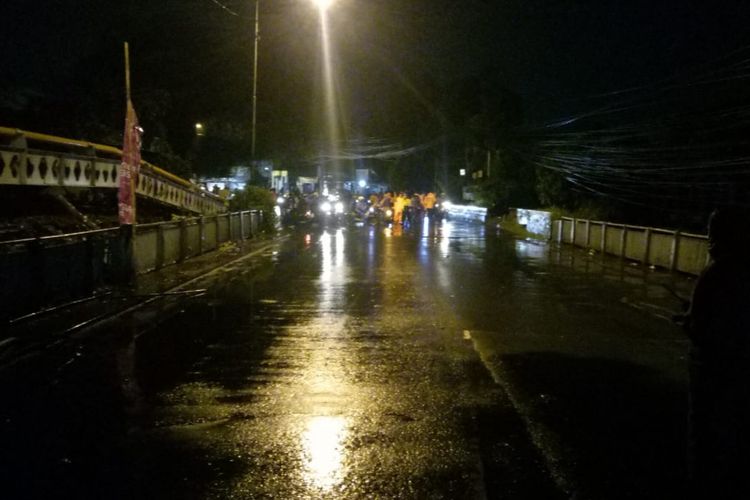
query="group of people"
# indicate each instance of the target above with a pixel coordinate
(407, 207)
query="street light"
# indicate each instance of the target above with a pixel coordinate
(323, 4)
(328, 81)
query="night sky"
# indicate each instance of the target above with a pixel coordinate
(394, 58)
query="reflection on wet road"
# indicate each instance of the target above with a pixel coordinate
(433, 362)
(339, 376)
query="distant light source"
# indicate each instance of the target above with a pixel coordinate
(462, 172)
(323, 4)
(199, 130)
(362, 183)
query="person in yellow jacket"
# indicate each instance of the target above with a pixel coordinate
(398, 208)
(428, 202)
(407, 210)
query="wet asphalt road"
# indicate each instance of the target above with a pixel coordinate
(363, 362)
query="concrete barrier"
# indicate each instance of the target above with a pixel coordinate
(537, 222)
(164, 243)
(52, 269)
(668, 249)
(466, 212)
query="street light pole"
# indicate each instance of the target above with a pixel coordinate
(322, 5)
(255, 75)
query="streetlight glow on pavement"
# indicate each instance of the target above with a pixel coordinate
(323, 445)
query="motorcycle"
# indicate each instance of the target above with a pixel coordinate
(331, 209)
(361, 209)
(380, 215)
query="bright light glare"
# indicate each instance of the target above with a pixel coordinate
(445, 240)
(362, 183)
(329, 81)
(323, 441)
(323, 4)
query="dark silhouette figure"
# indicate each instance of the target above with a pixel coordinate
(718, 324)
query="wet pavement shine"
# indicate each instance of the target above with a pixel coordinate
(368, 362)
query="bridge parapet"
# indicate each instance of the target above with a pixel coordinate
(56, 161)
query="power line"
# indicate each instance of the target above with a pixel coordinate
(225, 8)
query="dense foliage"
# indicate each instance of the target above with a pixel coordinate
(256, 198)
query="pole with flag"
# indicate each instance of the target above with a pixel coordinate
(128, 176)
(131, 155)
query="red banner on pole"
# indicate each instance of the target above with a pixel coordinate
(131, 163)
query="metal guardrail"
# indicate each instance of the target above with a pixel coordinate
(80, 164)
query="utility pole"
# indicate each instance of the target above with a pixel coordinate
(255, 75)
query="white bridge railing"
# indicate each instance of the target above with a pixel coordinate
(32, 159)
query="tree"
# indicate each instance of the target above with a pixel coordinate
(484, 116)
(256, 198)
(552, 189)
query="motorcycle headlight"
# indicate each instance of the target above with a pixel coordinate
(280, 200)
(372, 210)
(388, 212)
(325, 206)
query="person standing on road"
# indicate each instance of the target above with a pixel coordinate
(428, 202)
(718, 324)
(407, 210)
(416, 207)
(398, 208)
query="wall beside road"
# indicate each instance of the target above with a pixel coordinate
(668, 249)
(471, 213)
(37, 272)
(164, 243)
(536, 222)
(665, 248)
